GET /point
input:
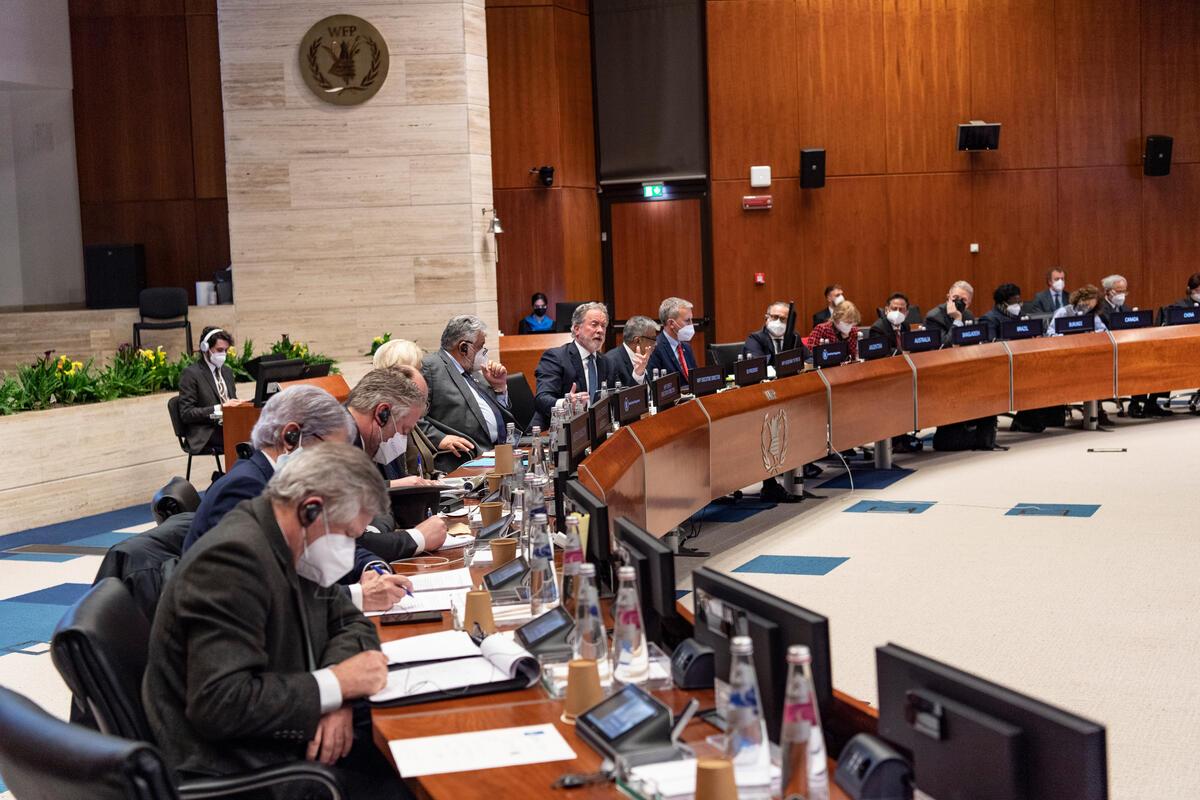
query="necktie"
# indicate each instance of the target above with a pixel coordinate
(492, 406)
(778, 343)
(683, 363)
(221, 391)
(593, 377)
(1057, 301)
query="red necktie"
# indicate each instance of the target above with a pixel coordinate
(683, 362)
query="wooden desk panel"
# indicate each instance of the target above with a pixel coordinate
(961, 383)
(522, 353)
(676, 465)
(616, 473)
(239, 420)
(1157, 359)
(872, 400)
(1056, 370)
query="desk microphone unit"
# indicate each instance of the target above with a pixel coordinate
(1181, 315)
(750, 371)
(506, 576)
(873, 347)
(1082, 323)
(632, 403)
(969, 737)
(655, 565)
(831, 354)
(920, 341)
(666, 391)
(1022, 328)
(1126, 320)
(789, 362)
(967, 335)
(601, 412)
(706, 380)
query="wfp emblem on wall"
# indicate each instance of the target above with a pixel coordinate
(344, 60)
(774, 439)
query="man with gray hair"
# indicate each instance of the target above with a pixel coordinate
(954, 313)
(627, 363)
(468, 394)
(252, 662)
(1116, 289)
(576, 369)
(673, 351)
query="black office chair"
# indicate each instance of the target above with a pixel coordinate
(162, 304)
(724, 355)
(177, 425)
(100, 649)
(520, 400)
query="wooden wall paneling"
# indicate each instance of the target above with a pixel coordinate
(576, 164)
(208, 127)
(844, 237)
(1171, 74)
(166, 227)
(1014, 217)
(582, 274)
(1171, 232)
(522, 87)
(928, 85)
(752, 88)
(839, 48)
(578, 6)
(212, 237)
(1012, 80)
(656, 253)
(929, 232)
(131, 112)
(1098, 82)
(746, 242)
(1100, 226)
(530, 251)
(126, 8)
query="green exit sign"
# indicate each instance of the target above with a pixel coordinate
(653, 191)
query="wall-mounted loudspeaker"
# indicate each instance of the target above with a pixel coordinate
(812, 169)
(1156, 162)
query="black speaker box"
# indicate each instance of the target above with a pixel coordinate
(114, 275)
(1157, 161)
(812, 169)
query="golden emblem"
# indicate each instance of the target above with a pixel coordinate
(774, 440)
(344, 60)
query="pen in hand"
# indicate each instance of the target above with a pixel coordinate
(379, 570)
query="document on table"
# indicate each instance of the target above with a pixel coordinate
(440, 646)
(463, 752)
(498, 660)
(426, 601)
(677, 779)
(437, 581)
(460, 540)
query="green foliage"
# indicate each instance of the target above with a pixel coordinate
(289, 349)
(237, 361)
(378, 342)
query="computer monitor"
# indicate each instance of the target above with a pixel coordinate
(1125, 320)
(598, 548)
(1022, 328)
(601, 412)
(577, 433)
(726, 607)
(789, 362)
(655, 565)
(1181, 315)
(919, 341)
(253, 364)
(632, 403)
(969, 737)
(666, 391)
(968, 334)
(706, 380)
(831, 354)
(273, 373)
(874, 347)
(750, 371)
(1082, 323)
(562, 315)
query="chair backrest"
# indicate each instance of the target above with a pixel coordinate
(725, 355)
(520, 399)
(44, 758)
(145, 562)
(163, 303)
(177, 421)
(100, 649)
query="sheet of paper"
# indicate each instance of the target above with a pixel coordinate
(678, 778)
(445, 676)
(461, 752)
(435, 581)
(481, 463)
(438, 646)
(482, 557)
(461, 540)
(426, 601)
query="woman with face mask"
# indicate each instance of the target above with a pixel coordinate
(539, 321)
(205, 389)
(1007, 298)
(842, 326)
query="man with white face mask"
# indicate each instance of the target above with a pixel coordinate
(252, 660)
(1054, 296)
(774, 336)
(835, 295)
(205, 389)
(673, 351)
(894, 322)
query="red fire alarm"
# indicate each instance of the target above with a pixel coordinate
(756, 202)
(760, 278)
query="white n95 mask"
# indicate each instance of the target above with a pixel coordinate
(392, 449)
(686, 333)
(775, 328)
(895, 317)
(327, 559)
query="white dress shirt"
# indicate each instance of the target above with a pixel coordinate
(584, 354)
(219, 381)
(485, 411)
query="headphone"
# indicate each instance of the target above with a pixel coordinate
(309, 512)
(291, 437)
(383, 415)
(204, 343)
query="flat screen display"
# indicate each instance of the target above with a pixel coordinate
(750, 371)
(632, 404)
(789, 362)
(873, 347)
(1022, 328)
(1084, 323)
(666, 391)
(968, 334)
(706, 380)
(601, 412)
(830, 355)
(920, 341)
(621, 713)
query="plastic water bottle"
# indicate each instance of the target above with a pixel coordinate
(590, 641)
(801, 741)
(604, 388)
(746, 742)
(511, 436)
(572, 560)
(543, 586)
(532, 504)
(631, 661)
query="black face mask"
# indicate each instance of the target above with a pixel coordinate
(539, 312)
(960, 304)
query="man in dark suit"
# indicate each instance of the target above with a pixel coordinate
(627, 363)
(468, 394)
(1007, 299)
(1053, 297)
(834, 295)
(774, 336)
(251, 662)
(205, 387)
(576, 370)
(672, 350)
(954, 313)
(892, 325)
(1116, 289)
(1192, 299)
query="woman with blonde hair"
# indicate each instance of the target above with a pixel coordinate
(842, 326)
(398, 352)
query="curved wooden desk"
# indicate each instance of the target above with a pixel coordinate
(662, 469)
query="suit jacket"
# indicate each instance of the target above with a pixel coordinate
(821, 316)
(1043, 303)
(993, 319)
(883, 329)
(453, 405)
(1186, 302)
(197, 396)
(228, 684)
(620, 367)
(759, 344)
(1105, 308)
(938, 320)
(665, 358)
(558, 368)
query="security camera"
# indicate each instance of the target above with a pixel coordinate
(545, 175)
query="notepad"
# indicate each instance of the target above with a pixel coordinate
(500, 665)
(440, 646)
(481, 462)
(432, 600)
(456, 541)
(464, 752)
(436, 581)
(677, 779)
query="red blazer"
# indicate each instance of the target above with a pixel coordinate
(827, 331)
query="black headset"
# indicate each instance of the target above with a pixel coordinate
(383, 415)
(291, 437)
(204, 343)
(309, 512)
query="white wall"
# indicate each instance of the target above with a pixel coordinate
(37, 43)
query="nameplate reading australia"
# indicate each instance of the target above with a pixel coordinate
(344, 60)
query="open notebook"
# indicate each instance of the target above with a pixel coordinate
(497, 665)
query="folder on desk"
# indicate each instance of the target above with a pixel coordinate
(500, 665)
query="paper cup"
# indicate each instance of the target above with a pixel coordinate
(583, 689)
(504, 550)
(493, 482)
(504, 459)
(714, 779)
(489, 513)
(479, 610)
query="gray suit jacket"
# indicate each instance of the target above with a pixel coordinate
(236, 635)
(197, 396)
(453, 409)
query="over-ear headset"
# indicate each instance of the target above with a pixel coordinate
(205, 343)
(309, 512)
(291, 437)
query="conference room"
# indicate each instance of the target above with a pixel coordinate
(739, 398)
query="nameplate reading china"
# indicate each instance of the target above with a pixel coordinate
(344, 60)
